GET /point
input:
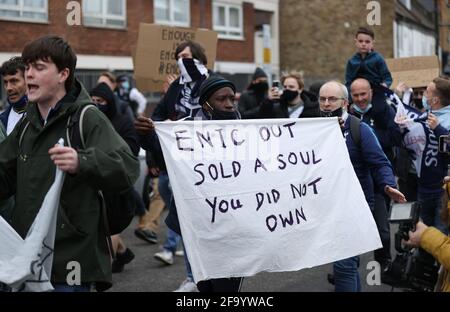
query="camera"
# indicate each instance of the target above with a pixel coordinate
(414, 268)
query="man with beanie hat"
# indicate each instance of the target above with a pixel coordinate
(252, 98)
(216, 98)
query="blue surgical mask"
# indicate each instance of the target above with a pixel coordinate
(425, 103)
(126, 85)
(361, 111)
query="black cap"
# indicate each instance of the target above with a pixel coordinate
(259, 73)
(102, 90)
(211, 85)
(122, 78)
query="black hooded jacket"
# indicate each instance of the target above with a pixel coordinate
(279, 109)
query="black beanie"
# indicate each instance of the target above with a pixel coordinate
(102, 90)
(211, 85)
(259, 73)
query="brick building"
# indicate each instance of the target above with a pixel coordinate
(316, 37)
(107, 30)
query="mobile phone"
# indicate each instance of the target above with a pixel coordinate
(276, 84)
(444, 144)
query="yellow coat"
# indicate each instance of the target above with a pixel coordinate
(438, 245)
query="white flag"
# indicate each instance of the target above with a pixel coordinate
(25, 265)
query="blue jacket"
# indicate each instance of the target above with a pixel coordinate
(373, 68)
(381, 119)
(369, 162)
(5, 116)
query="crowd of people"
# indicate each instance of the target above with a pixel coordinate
(42, 93)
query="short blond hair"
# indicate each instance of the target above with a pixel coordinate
(295, 75)
(111, 77)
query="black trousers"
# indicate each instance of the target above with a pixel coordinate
(221, 285)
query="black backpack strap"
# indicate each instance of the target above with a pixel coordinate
(75, 138)
(355, 130)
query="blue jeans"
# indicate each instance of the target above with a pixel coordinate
(173, 238)
(430, 211)
(64, 288)
(346, 275)
(165, 191)
(188, 265)
(164, 187)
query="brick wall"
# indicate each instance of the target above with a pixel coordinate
(445, 29)
(317, 36)
(85, 40)
(240, 50)
(104, 41)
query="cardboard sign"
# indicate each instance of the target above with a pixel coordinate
(155, 54)
(265, 195)
(414, 71)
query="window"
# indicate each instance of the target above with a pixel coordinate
(406, 3)
(228, 20)
(24, 10)
(105, 13)
(172, 12)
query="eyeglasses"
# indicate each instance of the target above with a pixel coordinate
(331, 99)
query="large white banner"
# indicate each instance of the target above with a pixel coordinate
(265, 195)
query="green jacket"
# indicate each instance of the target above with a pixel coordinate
(7, 205)
(27, 170)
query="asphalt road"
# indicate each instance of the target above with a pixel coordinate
(146, 274)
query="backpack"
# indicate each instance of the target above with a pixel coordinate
(355, 130)
(118, 208)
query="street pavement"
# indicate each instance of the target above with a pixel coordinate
(147, 274)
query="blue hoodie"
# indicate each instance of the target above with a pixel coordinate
(372, 67)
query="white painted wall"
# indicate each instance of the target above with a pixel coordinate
(411, 40)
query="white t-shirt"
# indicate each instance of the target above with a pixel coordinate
(13, 119)
(139, 98)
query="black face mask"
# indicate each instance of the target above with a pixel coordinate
(103, 108)
(418, 103)
(222, 115)
(260, 87)
(289, 95)
(336, 113)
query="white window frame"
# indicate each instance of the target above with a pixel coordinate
(105, 16)
(171, 21)
(21, 8)
(227, 28)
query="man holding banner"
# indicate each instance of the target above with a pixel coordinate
(180, 101)
(368, 160)
(266, 195)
